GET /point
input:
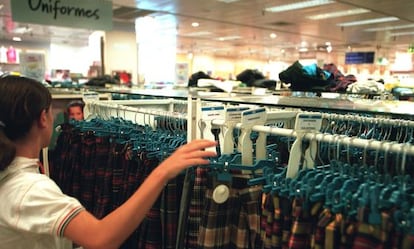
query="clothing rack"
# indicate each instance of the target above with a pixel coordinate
(138, 111)
(334, 139)
(144, 112)
(122, 107)
(369, 120)
(403, 149)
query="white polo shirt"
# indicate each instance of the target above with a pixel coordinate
(33, 210)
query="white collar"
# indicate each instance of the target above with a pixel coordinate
(20, 164)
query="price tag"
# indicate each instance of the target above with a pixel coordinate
(253, 117)
(212, 112)
(308, 122)
(90, 97)
(233, 114)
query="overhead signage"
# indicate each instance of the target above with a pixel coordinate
(359, 57)
(86, 14)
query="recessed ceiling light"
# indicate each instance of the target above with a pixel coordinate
(17, 38)
(390, 28)
(273, 35)
(368, 21)
(195, 24)
(299, 5)
(227, 1)
(303, 49)
(338, 14)
(200, 33)
(227, 38)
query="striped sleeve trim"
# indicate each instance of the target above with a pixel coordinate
(67, 219)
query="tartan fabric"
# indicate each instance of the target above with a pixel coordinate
(65, 156)
(333, 233)
(150, 228)
(408, 242)
(277, 228)
(374, 236)
(325, 218)
(103, 177)
(149, 236)
(170, 198)
(104, 174)
(388, 229)
(232, 224)
(196, 208)
(266, 220)
(102, 186)
(303, 225)
(87, 174)
(347, 230)
(119, 164)
(272, 222)
(368, 236)
(286, 220)
(128, 184)
(74, 162)
(397, 240)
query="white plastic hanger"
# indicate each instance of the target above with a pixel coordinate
(249, 119)
(305, 122)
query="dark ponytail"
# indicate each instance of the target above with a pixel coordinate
(22, 100)
(7, 150)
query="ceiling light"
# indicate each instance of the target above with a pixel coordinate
(227, 1)
(17, 38)
(402, 33)
(368, 21)
(303, 49)
(329, 49)
(338, 14)
(300, 5)
(195, 24)
(226, 38)
(390, 28)
(303, 44)
(200, 33)
(273, 35)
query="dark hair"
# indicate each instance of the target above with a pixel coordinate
(74, 103)
(22, 100)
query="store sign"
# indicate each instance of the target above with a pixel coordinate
(87, 14)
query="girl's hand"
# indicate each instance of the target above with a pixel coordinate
(190, 154)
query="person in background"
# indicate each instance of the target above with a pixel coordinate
(34, 211)
(74, 110)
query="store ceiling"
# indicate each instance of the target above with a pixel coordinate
(242, 28)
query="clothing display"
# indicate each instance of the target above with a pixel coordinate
(369, 86)
(352, 197)
(102, 172)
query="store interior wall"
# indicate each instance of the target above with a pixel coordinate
(121, 53)
(74, 58)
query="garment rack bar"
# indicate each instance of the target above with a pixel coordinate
(368, 120)
(101, 107)
(333, 139)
